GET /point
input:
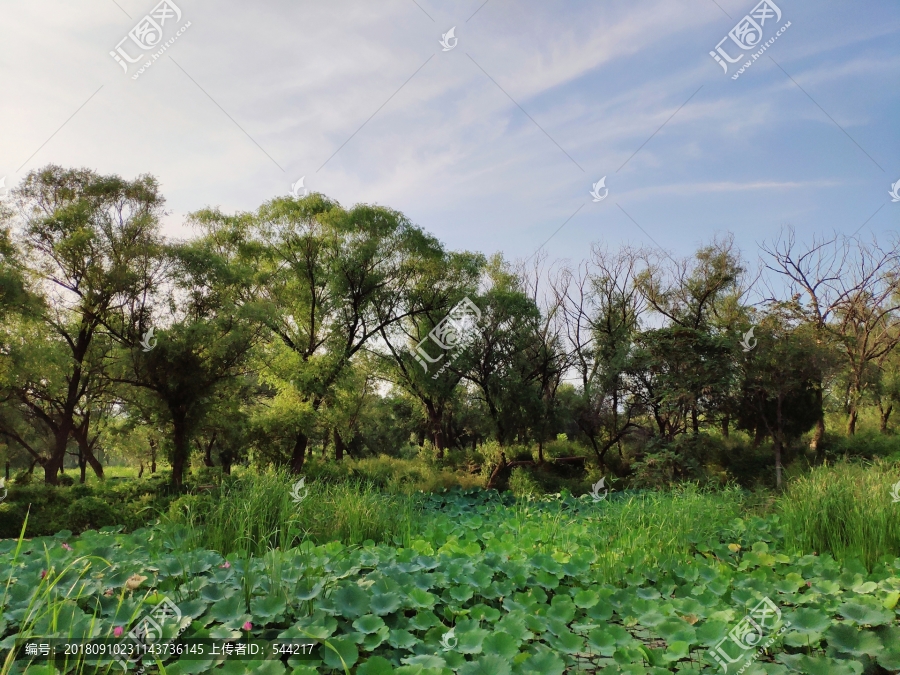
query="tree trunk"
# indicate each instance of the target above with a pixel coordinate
(436, 427)
(298, 456)
(819, 435)
(851, 420)
(338, 446)
(778, 438)
(141, 472)
(726, 421)
(885, 414)
(54, 464)
(181, 451)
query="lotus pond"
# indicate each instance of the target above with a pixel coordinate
(483, 584)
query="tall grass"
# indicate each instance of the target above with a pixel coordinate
(256, 512)
(845, 509)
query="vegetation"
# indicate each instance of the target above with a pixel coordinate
(316, 422)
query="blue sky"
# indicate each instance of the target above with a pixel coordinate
(491, 145)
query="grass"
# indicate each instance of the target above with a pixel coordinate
(256, 512)
(845, 509)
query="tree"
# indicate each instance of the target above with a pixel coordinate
(326, 282)
(88, 240)
(602, 308)
(779, 383)
(204, 347)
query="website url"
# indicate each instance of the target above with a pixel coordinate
(165, 46)
(765, 46)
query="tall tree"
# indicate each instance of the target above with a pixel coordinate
(88, 239)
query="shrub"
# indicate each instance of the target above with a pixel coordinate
(844, 509)
(523, 484)
(90, 513)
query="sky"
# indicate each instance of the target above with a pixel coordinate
(491, 138)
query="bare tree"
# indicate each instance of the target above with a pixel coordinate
(849, 291)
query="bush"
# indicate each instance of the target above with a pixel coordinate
(844, 509)
(523, 484)
(89, 513)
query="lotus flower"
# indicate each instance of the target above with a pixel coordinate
(117, 631)
(247, 625)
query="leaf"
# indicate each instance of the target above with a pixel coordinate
(351, 601)
(808, 621)
(502, 644)
(586, 599)
(850, 640)
(488, 664)
(375, 665)
(334, 650)
(864, 614)
(369, 623)
(544, 662)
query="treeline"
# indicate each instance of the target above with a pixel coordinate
(306, 326)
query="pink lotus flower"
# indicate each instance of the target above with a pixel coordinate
(226, 565)
(248, 625)
(117, 631)
(66, 546)
(43, 574)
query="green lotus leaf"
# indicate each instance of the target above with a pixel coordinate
(489, 664)
(351, 601)
(339, 653)
(850, 640)
(470, 641)
(502, 644)
(586, 599)
(544, 662)
(368, 623)
(375, 665)
(865, 615)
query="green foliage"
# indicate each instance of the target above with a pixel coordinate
(636, 583)
(521, 483)
(845, 510)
